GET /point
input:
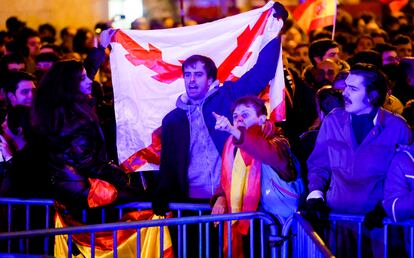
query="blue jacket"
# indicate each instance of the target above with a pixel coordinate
(175, 138)
(399, 186)
(353, 175)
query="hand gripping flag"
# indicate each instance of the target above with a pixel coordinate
(315, 14)
(147, 77)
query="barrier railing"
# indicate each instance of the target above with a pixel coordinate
(24, 214)
(311, 244)
(304, 241)
(205, 220)
(180, 210)
(358, 220)
(16, 215)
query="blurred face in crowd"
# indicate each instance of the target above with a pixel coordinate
(378, 40)
(389, 57)
(23, 95)
(364, 44)
(326, 71)
(89, 41)
(86, 84)
(33, 43)
(44, 65)
(355, 95)
(332, 54)
(16, 67)
(196, 81)
(404, 50)
(246, 116)
(302, 54)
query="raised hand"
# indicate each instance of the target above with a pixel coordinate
(5, 148)
(280, 11)
(222, 123)
(106, 36)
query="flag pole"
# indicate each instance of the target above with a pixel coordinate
(334, 21)
(182, 12)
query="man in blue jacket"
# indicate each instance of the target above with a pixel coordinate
(353, 152)
(190, 166)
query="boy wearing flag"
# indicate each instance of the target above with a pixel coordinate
(256, 159)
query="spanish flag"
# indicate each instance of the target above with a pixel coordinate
(395, 5)
(315, 14)
(127, 239)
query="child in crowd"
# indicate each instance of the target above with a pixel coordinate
(257, 169)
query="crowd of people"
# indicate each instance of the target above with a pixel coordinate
(344, 147)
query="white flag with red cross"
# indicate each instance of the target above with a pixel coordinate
(147, 77)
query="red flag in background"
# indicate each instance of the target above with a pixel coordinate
(395, 5)
(315, 14)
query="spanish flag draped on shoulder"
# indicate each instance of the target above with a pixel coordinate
(147, 77)
(315, 14)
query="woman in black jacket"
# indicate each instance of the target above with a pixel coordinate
(72, 141)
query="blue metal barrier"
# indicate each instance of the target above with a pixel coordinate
(181, 210)
(14, 209)
(310, 244)
(264, 218)
(305, 242)
(21, 209)
(358, 220)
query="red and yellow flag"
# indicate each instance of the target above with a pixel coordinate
(315, 14)
(395, 5)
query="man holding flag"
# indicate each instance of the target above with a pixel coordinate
(190, 166)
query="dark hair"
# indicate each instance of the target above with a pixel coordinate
(209, 65)
(12, 78)
(300, 45)
(58, 99)
(368, 57)
(383, 47)
(64, 32)
(253, 101)
(47, 27)
(319, 48)
(13, 24)
(364, 36)
(47, 57)
(79, 41)
(381, 33)
(55, 48)
(319, 34)
(401, 40)
(375, 82)
(22, 38)
(19, 117)
(329, 98)
(339, 81)
(10, 59)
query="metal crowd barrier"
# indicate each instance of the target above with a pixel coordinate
(266, 247)
(205, 220)
(358, 220)
(305, 242)
(17, 215)
(24, 214)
